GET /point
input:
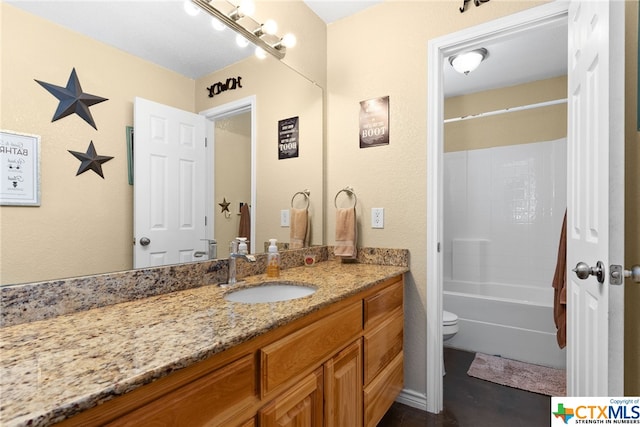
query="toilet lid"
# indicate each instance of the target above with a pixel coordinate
(449, 318)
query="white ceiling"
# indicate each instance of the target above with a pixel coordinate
(161, 32)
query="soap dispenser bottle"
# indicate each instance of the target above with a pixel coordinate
(242, 246)
(273, 260)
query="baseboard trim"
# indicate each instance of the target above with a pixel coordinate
(413, 399)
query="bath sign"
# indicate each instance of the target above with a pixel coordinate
(20, 165)
(374, 122)
(288, 132)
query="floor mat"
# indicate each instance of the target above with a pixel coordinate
(525, 376)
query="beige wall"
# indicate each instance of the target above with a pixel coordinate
(84, 224)
(388, 57)
(519, 127)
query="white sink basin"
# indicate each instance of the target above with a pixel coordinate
(270, 292)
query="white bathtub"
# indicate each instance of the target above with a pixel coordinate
(512, 321)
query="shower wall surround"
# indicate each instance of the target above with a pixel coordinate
(503, 209)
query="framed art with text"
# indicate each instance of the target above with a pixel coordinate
(20, 165)
(374, 122)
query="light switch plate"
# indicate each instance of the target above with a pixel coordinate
(284, 218)
(377, 217)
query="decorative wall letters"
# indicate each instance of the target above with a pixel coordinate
(465, 4)
(231, 84)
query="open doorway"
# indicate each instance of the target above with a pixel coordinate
(231, 170)
(449, 253)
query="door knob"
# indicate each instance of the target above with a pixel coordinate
(618, 273)
(583, 271)
(145, 241)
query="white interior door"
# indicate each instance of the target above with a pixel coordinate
(595, 193)
(169, 184)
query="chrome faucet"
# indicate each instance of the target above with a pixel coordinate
(234, 254)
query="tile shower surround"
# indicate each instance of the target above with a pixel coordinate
(31, 302)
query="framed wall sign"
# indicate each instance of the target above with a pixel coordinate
(288, 132)
(20, 166)
(374, 122)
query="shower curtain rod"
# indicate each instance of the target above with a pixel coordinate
(507, 110)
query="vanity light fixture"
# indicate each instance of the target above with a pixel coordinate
(466, 62)
(238, 18)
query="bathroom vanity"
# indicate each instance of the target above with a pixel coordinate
(192, 358)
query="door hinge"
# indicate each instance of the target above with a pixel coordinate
(205, 142)
(438, 247)
(205, 221)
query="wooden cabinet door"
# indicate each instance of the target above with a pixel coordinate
(300, 406)
(343, 388)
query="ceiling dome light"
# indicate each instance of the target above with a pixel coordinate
(241, 41)
(466, 62)
(190, 8)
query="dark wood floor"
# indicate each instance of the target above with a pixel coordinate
(471, 402)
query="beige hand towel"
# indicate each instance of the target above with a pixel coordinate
(346, 236)
(298, 232)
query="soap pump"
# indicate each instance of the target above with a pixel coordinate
(273, 259)
(242, 245)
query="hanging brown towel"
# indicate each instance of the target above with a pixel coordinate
(299, 231)
(346, 235)
(245, 224)
(559, 286)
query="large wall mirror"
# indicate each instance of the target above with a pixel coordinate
(84, 224)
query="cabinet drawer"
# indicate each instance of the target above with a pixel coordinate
(383, 390)
(308, 347)
(382, 303)
(215, 396)
(382, 344)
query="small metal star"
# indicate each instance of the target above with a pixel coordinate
(224, 205)
(72, 99)
(90, 160)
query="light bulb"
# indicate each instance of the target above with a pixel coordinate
(215, 23)
(289, 40)
(270, 27)
(190, 8)
(247, 7)
(260, 53)
(241, 41)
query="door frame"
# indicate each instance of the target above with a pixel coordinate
(439, 49)
(218, 113)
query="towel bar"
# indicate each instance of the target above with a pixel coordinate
(305, 193)
(349, 191)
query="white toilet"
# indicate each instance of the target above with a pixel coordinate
(449, 329)
(449, 325)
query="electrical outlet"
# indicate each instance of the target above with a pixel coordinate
(284, 218)
(377, 217)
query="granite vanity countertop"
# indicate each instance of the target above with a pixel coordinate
(53, 369)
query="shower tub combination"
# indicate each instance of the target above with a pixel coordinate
(512, 321)
(503, 210)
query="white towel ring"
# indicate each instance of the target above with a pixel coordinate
(305, 193)
(350, 192)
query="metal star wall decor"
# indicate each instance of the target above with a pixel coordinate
(90, 160)
(73, 99)
(224, 205)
